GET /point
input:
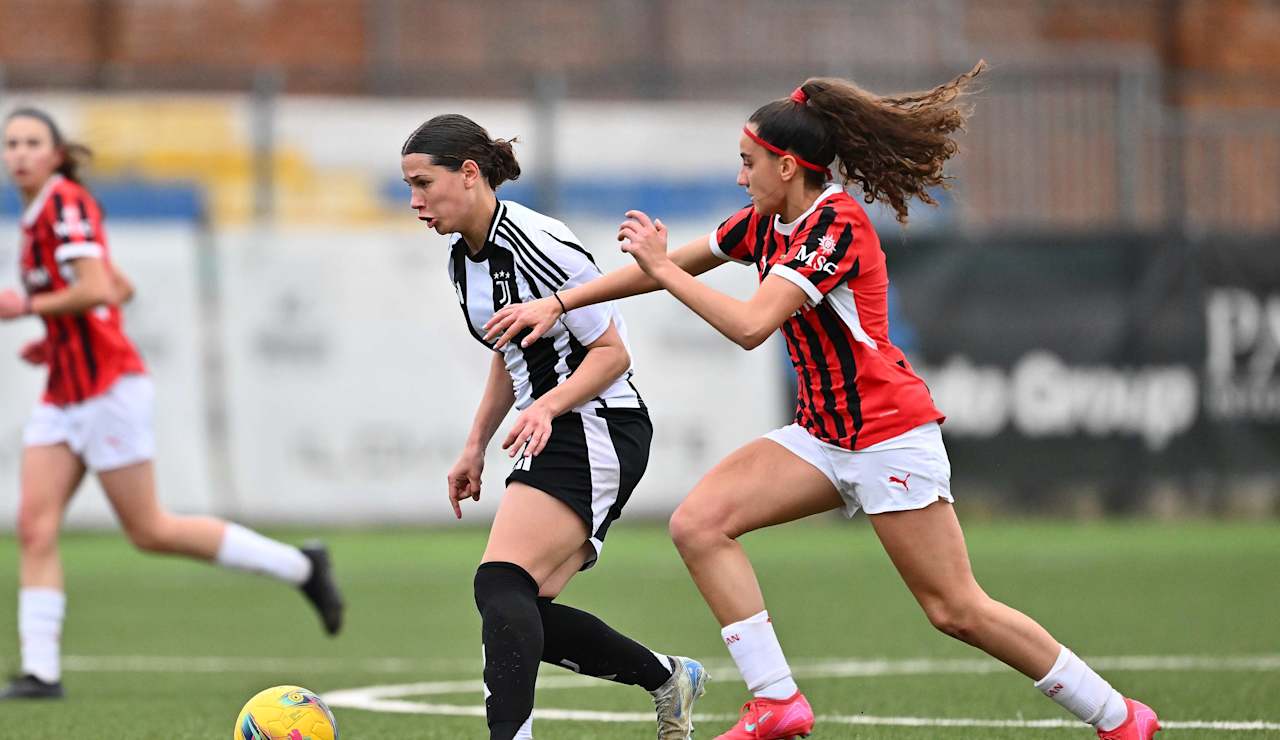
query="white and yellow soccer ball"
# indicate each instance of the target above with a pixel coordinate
(285, 713)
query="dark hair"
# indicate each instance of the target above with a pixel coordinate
(74, 155)
(451, 139)
(893, 147)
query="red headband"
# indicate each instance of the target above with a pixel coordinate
(799, 95)
(781, 152)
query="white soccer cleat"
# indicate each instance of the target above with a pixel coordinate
(674, 699)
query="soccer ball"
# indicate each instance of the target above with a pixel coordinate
(285, 713)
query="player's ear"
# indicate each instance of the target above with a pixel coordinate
(787, 168)
(470, 173)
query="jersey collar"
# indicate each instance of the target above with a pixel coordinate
(486, 249)
(786, 228)
(30, 215)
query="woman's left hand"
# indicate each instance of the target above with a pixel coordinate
(530, 433)
(645, 240)
(12, 305)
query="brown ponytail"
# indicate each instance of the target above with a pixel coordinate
(451, 139)
(503, 164)
(893, 147)
(74, 154)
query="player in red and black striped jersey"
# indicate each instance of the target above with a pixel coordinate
(96, 411)
(63, 244)
(867, 433)
(855, 388)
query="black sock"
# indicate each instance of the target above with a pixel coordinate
(579, 641)
(511, 628)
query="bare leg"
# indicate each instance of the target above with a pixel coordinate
(50, 476)
(555, 583)
(927, 547)
(132, 493)
(535, 531)
(532, 536)
(758, 485)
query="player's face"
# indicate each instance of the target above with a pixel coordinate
(761, 176)
(439, 195)
(29, 154)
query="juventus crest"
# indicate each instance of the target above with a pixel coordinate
(503, 288)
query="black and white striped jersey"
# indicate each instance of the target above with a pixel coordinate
(526, 256)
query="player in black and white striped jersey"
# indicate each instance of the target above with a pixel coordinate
(582, 435)
(525, 256)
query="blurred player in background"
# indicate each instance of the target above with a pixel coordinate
(582, 435)
(867, 433)
(96, 410)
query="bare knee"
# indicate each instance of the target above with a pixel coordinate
(151, 535)
(957, 615)
(694, 528)
(37, 534)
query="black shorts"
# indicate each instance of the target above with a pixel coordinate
(592, 462)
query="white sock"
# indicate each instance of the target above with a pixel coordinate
(40, 614)
(526, 730)
(1084, 693)
(756, 651)
(244, 549)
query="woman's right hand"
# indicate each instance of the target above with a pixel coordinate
(464, 479)
(35, 352)
(13, 305)
(536, 316)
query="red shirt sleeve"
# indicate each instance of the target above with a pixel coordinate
(735, 238)
(77, 224)
(824, 251)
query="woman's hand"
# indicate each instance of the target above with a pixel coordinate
(464, 479)
(644, 240)
(536, 316)
(35, 352)
(530, 432)
(13, 305)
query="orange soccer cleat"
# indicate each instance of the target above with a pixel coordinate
(773, 719)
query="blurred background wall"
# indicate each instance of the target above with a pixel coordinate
(1096, 302)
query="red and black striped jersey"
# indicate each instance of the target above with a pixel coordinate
(855, 387)
(87, 351)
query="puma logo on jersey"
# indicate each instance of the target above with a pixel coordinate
(901, 481)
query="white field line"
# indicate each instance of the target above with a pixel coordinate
(802, 668)
(386, 699)
(391, 698)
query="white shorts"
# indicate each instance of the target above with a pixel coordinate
(108, 432)
(909, 471)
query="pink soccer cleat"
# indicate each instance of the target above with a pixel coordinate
(773, 719)
(1141, 724)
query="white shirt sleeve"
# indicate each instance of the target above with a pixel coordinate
(588, 323)
(77, 250)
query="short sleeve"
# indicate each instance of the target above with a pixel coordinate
(823, 253)
(733, 239)
(552, 259)
(588, 323)
(77, 225)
